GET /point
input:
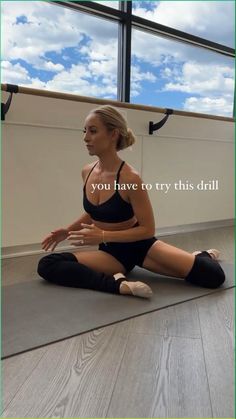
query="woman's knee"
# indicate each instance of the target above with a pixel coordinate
(217, 277)
(206, 273)
(47, 265)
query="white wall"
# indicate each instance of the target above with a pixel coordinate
(43, 153)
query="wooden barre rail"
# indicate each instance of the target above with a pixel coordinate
(85, 99)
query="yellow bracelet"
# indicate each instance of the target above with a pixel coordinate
(103, 237)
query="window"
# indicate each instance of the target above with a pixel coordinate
(212, 20)
(54, 48)
(114, 4)
(171, 74)
(86, 49)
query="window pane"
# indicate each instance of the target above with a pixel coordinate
(212, 20)
(50, 47)
(113, 4)
(171, 74)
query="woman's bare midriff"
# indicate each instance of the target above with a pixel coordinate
(115, 226)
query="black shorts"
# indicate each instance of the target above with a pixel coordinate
(129, 254)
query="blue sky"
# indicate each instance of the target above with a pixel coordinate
(50, 47)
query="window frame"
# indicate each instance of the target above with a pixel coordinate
(127, 21)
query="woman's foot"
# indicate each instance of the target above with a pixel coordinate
(214, 253)
(136, 288)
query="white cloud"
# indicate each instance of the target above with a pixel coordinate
(79, 80)
(138, 76)
(16, 74)
(102, 58)
(97, 51)
(202, 18)
(213, 85)
(105, 69)
(53, 67)
(185, 15)
(202, 79)
(157, 50)
(217, 106)
(170, 73)
(113, 4)
(189, 70)
(41, 34)
(48, 28)
(147, 48)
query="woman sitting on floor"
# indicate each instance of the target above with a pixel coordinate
(120, 221)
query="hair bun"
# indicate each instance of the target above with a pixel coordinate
(113, 119)
(130, 137)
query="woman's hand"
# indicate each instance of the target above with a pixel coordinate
(52, 240)
(89, 235)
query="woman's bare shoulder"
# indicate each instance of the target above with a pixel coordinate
(129, 174)
(86, 169)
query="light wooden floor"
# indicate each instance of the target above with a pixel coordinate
(177, 362)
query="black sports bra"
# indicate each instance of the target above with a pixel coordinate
(114, 210)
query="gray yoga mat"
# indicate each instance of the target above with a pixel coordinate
(36, 313)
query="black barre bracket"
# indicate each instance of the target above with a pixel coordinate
(154, 127)
(11, 88)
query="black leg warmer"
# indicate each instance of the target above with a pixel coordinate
(206, 272)
(64, 269)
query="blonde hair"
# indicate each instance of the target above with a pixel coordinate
(113, 119)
